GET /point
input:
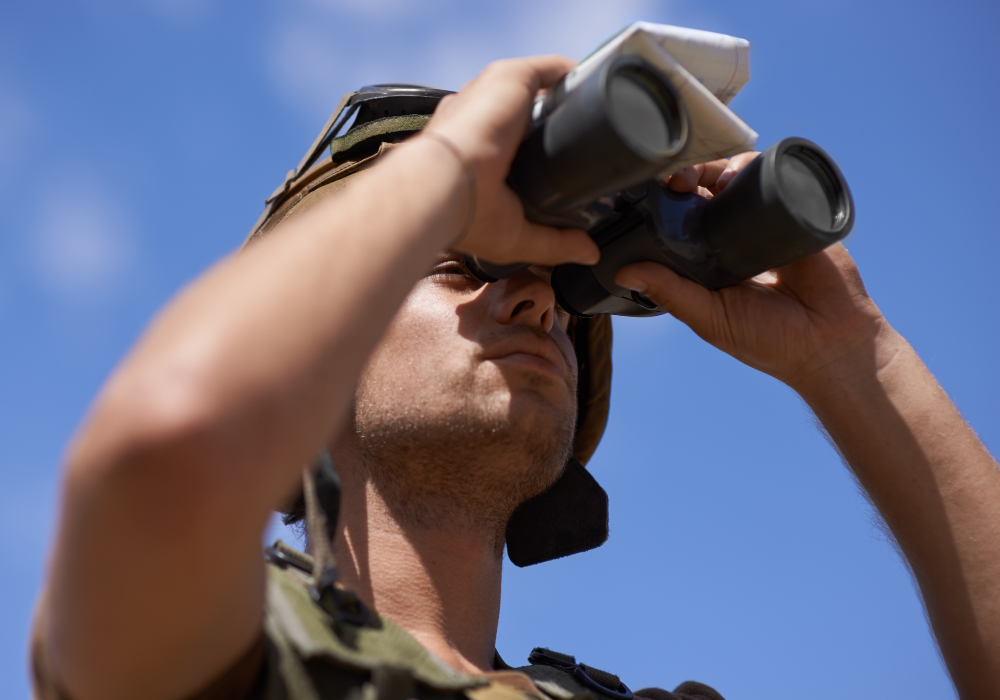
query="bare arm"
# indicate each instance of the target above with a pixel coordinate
(812, 325)
(156, 583)
(938, 490)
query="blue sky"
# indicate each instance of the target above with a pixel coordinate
(138, 140)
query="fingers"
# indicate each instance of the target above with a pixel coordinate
(487, 119)
(704, 175)
(503, 235)
(548, 70)
(712, 176)
(534, 72)
(539, 245)
(546, 245)
(686, 300)
(735, 165)
(486, 122)
(824, 276)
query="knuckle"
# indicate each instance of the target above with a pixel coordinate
(490, 70)
(498, 67)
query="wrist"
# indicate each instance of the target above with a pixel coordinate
(428, 187)
(853, 365)
(470, 182)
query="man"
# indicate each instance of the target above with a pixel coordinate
(445, 404)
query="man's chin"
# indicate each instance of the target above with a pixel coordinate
(542, 400)
(472, 466)
(524, 367)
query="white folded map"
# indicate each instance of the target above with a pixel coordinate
(706, 68)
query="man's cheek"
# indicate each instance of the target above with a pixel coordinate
(426, 353)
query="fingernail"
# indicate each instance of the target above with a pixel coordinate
(633, 283)
(725, 177)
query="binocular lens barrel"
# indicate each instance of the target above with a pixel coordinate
(644, 116)
(591, 161)
(789, 202)
(810, 193)
(616, 129)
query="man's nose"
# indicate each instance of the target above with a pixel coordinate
(525, 298)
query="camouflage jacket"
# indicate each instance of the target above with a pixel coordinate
(305, 654)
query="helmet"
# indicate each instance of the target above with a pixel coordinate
(571, 516)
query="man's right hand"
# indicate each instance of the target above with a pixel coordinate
(486, 121)
(804, 323)
(204, 427)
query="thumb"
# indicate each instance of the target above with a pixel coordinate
(547, 245)
(685, 300)
(532, 243)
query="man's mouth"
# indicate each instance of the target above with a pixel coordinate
(529, 350)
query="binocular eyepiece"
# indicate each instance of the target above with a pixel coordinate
(591, 161)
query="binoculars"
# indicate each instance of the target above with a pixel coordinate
(591, 160)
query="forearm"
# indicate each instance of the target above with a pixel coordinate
(937, 488)
(269, 342)
(207, 423)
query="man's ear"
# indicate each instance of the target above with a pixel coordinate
(569, 517)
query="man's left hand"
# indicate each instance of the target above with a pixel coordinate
(801, 323)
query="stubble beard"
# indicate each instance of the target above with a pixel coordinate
(466, 462)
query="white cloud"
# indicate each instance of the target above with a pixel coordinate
(457, 57)
(381, 9)
(321, 48)
(311, 72)
(574, 28)
(83, 245)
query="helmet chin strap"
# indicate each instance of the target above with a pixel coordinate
(569, 517)
(321, 492)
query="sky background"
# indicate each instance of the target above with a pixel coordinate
(139, 139)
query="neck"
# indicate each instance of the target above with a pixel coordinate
(440, 582)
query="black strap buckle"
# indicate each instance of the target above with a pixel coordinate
(607, 684)
(342, 605)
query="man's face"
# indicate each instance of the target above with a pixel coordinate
(470, 398)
